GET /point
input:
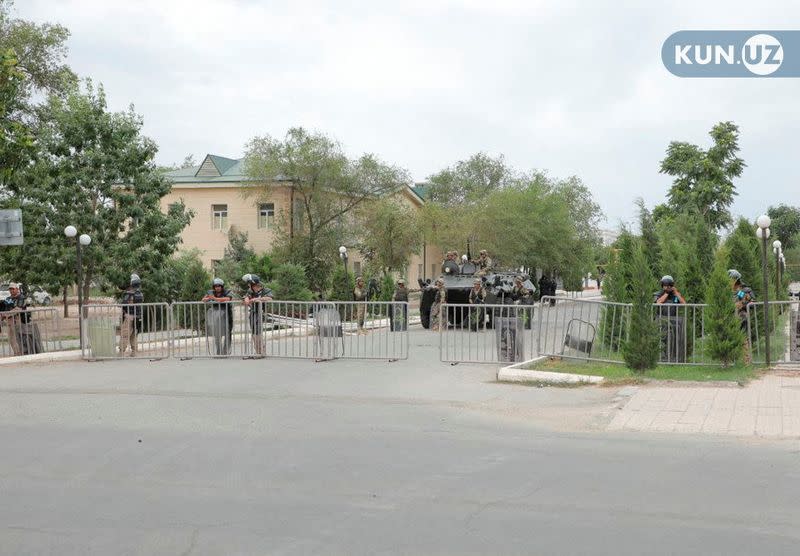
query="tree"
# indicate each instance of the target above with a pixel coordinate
(704, 178)
(744, 254)
(41, 50)
(326, 186)
(188, 162)
(95, 171)
(649, 234)
(785, 224)
(390, 234)
(724, 338)
(290, 283)
(640, 350)
(16, 139)
(342, 285)
(469, 181)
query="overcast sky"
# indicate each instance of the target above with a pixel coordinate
(569, 87)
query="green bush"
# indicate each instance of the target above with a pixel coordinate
(724, 339)
(387, 288)
(342, 285)
(289, 283)
(641, 349)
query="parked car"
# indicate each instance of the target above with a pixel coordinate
(36, 295)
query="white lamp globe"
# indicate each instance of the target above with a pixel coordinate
(342, 250)
(776, 244)
(762, 233)
(85, 239)
(763, 221)
(70, 231)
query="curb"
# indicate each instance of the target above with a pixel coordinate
(516, 373)
(42, 358)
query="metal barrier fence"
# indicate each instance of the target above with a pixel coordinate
(142, 331)
(30, 331)
(486, 333)
(338, 329)
(294, 329)
(784, 331)
(596, 330)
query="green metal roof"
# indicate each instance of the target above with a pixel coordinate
(230, 170)
(422, 189)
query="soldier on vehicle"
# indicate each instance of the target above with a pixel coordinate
(360, 297)
(255, 298)
(483, 262)
(519, 293)
(131, 323)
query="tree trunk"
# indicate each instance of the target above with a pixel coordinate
(66, 305)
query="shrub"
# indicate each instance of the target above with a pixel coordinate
(641, 349)
(387, 288)
(342, 285)
(724, 338)
(289, 283)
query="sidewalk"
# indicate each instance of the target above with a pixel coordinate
(768, 407)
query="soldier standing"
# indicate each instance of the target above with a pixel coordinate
(131, 315)
(255, 298)
(360, 297)
(436, 307)
(220, 299)
(477, 296)
(399, 313)
(17, 319)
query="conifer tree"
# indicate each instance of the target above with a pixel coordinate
(641, 348)
(724, 338)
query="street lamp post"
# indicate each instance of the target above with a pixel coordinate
(763, 234)
(83, 241)
(343, 256)
(778, 250)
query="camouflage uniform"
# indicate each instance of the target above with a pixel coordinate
(436, 307)
(399, 313)
(477, 297)
(360, 296)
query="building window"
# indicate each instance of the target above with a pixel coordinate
(435, 268)
(219, 217)
(266, 215)
(357, 268)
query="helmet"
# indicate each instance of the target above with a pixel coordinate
(135, 280)
(251, 279)
(218, 282)
(667, 280)
(734, 274)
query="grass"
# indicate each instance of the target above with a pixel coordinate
(619, 374)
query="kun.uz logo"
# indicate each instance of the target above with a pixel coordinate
(732, 53)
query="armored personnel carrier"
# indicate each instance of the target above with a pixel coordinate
(458, 280)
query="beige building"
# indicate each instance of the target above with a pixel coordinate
(213, 191)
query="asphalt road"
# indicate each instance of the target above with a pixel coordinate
(416, 457)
